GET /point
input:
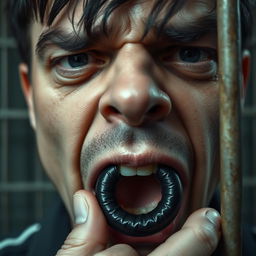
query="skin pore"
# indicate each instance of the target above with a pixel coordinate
(118, 98)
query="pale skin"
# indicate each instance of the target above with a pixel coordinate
(71, 106)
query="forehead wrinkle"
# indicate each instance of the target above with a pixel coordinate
(196, 16)
(129, 15)
(71, 18)
(119, 22)
(70, 15)
(195, 9)
(134, 20)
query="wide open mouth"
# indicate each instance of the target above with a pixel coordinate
(138, 194)
(139, 201)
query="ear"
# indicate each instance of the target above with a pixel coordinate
(246, 61)
(28, 92)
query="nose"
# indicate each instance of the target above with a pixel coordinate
(134, 93)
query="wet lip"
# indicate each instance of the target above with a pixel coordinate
(133, 160)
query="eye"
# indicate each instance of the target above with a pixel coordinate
(74, 61)
(193, 62)
(192, 55)
(77, 68)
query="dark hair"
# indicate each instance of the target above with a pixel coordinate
(21, 13)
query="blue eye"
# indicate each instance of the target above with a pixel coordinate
(200, 63)
(77, 67)
(191, 55)
(196, 54)
(77, 60)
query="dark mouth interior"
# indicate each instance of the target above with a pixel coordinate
(138, 193)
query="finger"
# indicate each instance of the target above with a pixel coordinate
(90, 234)
(198, 237)
(118, 250)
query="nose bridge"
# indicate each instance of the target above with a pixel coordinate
(133, 94)
(136, 57)
(133, 80)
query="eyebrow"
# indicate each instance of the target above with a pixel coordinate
(186, 33)
(74, 42)
(67, 41)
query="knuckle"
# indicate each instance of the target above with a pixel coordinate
(72, 243)
(70, 246)
(75, 246)
(207, 237)
(118, 250)
(104, 253)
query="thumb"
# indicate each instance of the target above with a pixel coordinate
(199, 235)
(90, 234)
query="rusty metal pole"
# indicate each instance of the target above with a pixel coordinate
(229, 49)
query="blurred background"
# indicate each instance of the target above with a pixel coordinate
(25, 191)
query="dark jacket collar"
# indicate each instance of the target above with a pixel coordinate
(55, 227)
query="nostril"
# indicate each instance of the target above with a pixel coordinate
(159, 111)
(113, 110)
(110, 110)
(135, 108)
(154, 110)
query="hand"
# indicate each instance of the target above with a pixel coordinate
(199, 236)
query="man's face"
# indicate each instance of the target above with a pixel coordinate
(123, 101)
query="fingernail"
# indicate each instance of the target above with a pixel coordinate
(80, 209)
(213, 217)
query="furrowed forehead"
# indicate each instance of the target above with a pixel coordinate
(182, 23)
(98, 12)
(47, 11)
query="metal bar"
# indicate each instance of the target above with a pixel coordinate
(230, 160)
(249, 112)
(253, 147)
(26, 187)
(249, 182)
(5, 127)
(13, 114)
(7, 43)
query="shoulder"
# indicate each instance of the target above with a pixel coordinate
(249, 240)
(40, 239)
(19, 245)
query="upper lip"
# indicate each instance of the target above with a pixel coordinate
(135, 160)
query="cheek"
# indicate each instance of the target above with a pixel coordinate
(211, 122)
(64, 115)
(208, 150)
(201, 119)
(49, 135)
(61, 127)
(199, 111)
(205, 123)
(62, 124)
